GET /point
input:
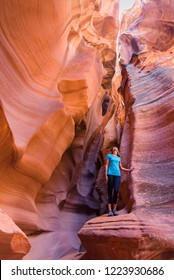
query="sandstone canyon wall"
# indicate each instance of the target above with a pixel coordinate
(146, 55)
(57, 63)
(66, 97)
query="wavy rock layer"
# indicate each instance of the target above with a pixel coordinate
(149, 125)
(146, 58)
(14, 243)
(63, 108)
(147, 26)
(58, 60)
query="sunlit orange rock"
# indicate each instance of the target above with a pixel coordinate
(65, 100)
(57, 66)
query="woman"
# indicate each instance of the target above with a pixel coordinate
(113, 178)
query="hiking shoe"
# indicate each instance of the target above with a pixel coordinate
(115, 213)
(110, 213)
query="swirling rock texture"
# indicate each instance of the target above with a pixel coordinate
(63, 107)
(14, 243)
(146, 56)
(57, 63)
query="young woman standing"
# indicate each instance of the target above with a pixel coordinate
(113, 178)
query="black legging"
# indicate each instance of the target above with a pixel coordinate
(113, 184)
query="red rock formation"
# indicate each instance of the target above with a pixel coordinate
(147, 64)
(146, 26)
(149, 125)
(57, 61)
(14, 243)
(63, 108)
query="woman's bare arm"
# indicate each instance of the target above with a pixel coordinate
(125, 169)
(106, 169)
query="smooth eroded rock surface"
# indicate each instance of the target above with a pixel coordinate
(68, 94)
(146, 56)
(14, 243)
(58, 60)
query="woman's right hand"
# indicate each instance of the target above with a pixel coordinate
(106, 178)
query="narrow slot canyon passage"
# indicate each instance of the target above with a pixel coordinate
(77, 78)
